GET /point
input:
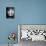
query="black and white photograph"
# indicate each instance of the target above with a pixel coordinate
(31, 34)
(10, 12)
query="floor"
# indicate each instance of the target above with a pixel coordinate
(30, 43)
(7, 45)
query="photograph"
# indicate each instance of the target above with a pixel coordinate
(29, 34)
(10, 12)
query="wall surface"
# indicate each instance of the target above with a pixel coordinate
(31, 11)
(26, 12)
(6, 25)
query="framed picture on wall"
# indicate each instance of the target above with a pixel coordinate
(10, 12)
(33, 32)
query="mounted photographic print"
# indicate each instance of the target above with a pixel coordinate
(32, 32)
(10, 12)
